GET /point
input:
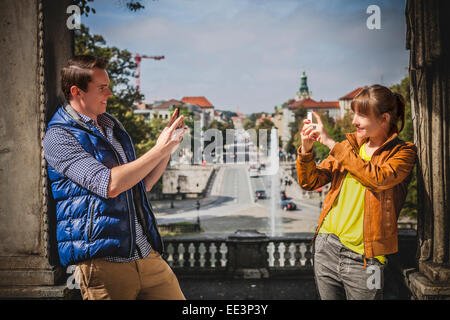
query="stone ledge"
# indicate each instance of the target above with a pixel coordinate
(435, 271)
(424, 289)
(29, 277)
(37, 292)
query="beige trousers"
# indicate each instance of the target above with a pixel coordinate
(146, 279)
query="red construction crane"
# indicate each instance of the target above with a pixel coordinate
(137, 59)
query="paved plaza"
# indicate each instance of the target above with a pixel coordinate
(230, 205)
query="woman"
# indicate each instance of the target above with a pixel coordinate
(369, 174)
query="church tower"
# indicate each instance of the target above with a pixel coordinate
(303, 92)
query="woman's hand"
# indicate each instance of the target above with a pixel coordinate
(307, 140)
(315, 132)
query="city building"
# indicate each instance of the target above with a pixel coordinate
(345, 101)
(206, 107)
(285, 113)
(238, 120)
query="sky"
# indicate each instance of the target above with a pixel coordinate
(248, 55)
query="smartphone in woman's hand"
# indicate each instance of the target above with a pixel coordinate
(309, 116)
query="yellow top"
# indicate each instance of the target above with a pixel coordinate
(346, 216)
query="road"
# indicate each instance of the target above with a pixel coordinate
(235, 207)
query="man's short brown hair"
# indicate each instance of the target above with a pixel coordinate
(78, 72)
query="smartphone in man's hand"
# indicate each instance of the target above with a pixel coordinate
(174, 117)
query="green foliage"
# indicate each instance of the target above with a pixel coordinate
(265, 124)
(295, 127)
(86, 9)
(121, 67)
(228, 114)
(249, 124)
(222, 126)
(407, 134)
(254, 116)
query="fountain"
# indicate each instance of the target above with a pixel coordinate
(275, 223)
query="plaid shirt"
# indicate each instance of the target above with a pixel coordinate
(65, 154)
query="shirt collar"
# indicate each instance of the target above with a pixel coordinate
(102, 120)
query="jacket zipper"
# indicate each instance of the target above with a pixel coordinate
(162, 243)
(91, 222)
(128, 206)
(145, 194)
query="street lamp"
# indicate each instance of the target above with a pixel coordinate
(198, 215)
(171, 200)
(178, 192)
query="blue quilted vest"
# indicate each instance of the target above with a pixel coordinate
(87, 225)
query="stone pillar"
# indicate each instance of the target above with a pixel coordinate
(34, 43)
(247, 254)
(429, 45)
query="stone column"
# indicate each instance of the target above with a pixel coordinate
(34, 43)
(429, 45)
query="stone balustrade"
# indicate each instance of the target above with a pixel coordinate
(247, 254)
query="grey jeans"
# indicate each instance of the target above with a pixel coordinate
(339, 273)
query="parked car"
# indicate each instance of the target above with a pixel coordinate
(260, 194)
(288, 205)
(253, 171)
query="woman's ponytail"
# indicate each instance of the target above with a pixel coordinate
(400, 109)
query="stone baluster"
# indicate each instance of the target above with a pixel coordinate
(166, 254)
(297, 255)
(287, 254)
(218, 255)
(175, 255)
(276, 254)
(186, 255)
(270, 252)
(196, 254)
(207, 254)
(308, 255)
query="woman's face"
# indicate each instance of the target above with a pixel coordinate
(369, 126)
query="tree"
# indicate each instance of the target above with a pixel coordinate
(120, 68)
(295, 141)
(265, 124)
(85, 7)
(228, 115)
(249, 124)
(407, 134)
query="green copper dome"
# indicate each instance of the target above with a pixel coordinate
(304, 84)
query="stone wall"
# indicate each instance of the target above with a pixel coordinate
(34, 44)
(193, 180)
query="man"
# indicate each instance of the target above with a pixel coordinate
(105, 224)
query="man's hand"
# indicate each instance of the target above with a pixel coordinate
(170, 123)
(165, 141)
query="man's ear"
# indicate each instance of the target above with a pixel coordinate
(75, 91)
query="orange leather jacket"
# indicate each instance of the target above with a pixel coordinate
(386, 177)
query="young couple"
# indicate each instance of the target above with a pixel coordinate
(106, 227)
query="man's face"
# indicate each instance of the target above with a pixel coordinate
(97, 93)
